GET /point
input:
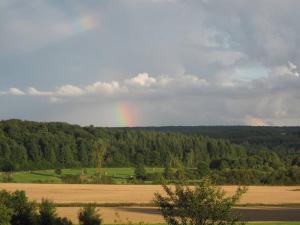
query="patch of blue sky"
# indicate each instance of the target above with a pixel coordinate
(249, 73)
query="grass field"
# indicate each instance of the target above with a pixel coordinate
(119, 175)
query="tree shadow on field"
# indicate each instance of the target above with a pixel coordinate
(143, 210)
(246, 214)
(268, 214)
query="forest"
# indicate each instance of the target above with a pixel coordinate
(230, 155)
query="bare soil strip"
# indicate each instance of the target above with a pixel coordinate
(82, 193)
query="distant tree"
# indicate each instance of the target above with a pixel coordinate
(8, 167)
(140, 172)
(99, 152)
(202, 169)
(168, 174)
(58, 171)
(88, 215)
(203, 205)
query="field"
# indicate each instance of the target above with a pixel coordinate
(123, 203)
(69, 194)
(83, 193)
(119, 175)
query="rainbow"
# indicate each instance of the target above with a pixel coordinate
(80, 25)
(125, 115)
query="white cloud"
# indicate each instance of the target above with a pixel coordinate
(15, 91)
(142, 80)
(103, 87)
(286, 70)
(35, 92)
(69, 90)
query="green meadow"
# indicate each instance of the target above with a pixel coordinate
(118, 175)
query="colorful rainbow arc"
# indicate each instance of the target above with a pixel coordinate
(125, 115)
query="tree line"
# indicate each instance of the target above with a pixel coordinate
(26, 145)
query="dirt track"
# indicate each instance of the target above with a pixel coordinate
(66, 193)
(152, 215)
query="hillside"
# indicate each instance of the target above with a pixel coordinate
(26, 145)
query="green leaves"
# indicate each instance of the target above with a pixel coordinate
(203, 204)
(89, 216)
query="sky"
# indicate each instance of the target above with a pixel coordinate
(151, 62)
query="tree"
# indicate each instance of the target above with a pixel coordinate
(168, 174)
(88, 215)
(5, 214)
(100, 148)
(24, 210)
(140, 172)
(204, 204)
(48, 215)
(202, 169)
(58, 171)
(47, 212)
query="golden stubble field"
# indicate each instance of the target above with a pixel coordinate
(80, 193)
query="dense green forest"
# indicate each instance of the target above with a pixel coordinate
(236, 155)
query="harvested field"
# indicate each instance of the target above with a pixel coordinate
(152, 215)
(80, 193)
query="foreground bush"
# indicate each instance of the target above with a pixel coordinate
(16, 209)
(89, 216)
(48, 215)
(203, 205)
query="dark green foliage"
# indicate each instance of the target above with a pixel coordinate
(28, 145)
(16, 209)
(102, 179)
(89, 216)
(23, 211)
(202, 169)
(5, 214)
(48, 215)
(140, 172)
(72, 179)
(203, 205)
(57, 171)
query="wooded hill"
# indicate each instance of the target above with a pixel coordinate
(28, 145)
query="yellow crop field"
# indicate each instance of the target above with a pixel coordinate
(81, 193)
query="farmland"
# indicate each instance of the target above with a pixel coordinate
(83, 193)
(66, 195)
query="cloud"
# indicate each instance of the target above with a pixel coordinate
(142, 80)
(15, 91)
(286, 70)
(35, 92)
(103, 88)
(205, 62)
(69, 90)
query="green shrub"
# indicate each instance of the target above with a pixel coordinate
(203, 205)
(88, 215)
(58, 171)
